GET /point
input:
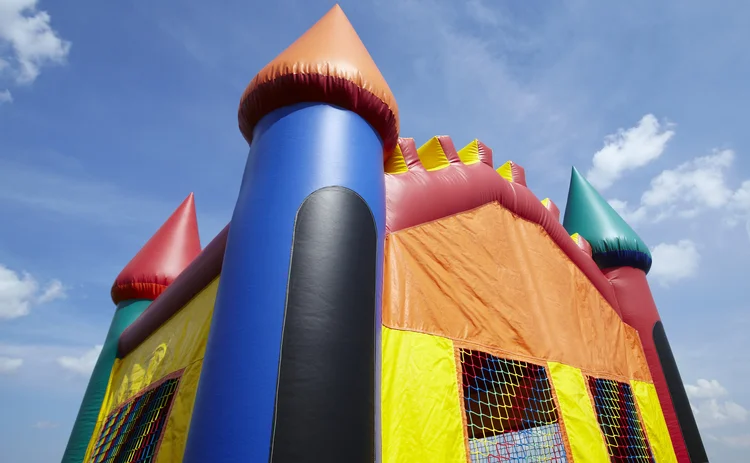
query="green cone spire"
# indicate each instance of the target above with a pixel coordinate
(613, 241)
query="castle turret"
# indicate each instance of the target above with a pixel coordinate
(625, 260)
(146, 276)
(297, 314)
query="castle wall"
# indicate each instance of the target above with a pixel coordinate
(174, 351)
(490, 278)
(495, 343)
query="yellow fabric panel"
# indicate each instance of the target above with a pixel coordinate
(422, 417)
(546, 201)
(653, 419)
(578, 416)
(175, 433)
(396, 164)
(432, 155)
(179, 344)
(469, 154)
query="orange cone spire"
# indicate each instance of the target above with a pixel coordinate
(328, 64)
(162, 258)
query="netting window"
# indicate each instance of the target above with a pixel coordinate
(619, 421)
(511, 414)
(132, 433)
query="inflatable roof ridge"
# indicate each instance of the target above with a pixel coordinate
(613, 242)
(413, 197)
(552, 207)
(164, 256)
(436, 153)
(439, 152)
(476, 151)
(513, 172)
(417, 194)
(327, 64)
(582, 243)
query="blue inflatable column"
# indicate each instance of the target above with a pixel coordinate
(289, 372)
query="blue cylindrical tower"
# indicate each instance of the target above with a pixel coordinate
(291, 372)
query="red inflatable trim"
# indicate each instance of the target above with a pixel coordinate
(552, 207)
(639, 311)
(135, 290)
(302, 88)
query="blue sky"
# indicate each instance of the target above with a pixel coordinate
(112, 112)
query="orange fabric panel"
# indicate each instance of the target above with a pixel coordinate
(489, 278)
(636, 355)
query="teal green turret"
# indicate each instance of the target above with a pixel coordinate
(613, 241)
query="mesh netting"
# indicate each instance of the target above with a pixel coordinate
(511, 414)
(131, 434)
(618, 419)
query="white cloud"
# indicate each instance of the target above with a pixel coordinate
(705, 389)
(9, 365)
(690, 189)
(712, 412)
(674, 262)
(5, 96)
(16, 293)
(82, 365)
(694, 184)
(741, 197)
(42, 368)
(55, 290)
(631, 216)
(26, 32)
(46, 425)
(19, 292)
(628, 149)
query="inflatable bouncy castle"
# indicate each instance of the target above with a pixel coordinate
(371, 301)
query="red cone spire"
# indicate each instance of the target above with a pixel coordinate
(162, 258)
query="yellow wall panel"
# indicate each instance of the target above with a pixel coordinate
(179, 344)
(578, 416)
(653, 420)
(422, 416)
